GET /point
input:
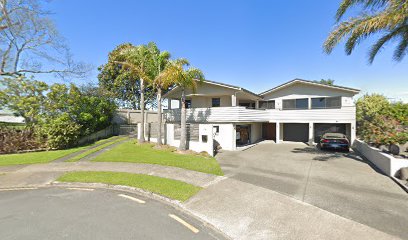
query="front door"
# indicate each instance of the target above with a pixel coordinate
(269, 131)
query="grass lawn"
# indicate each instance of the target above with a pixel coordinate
(145, 153)
(90, 151)
(167, 187)
(35, 157)
(40, 157)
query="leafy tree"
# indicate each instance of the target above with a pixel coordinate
(135, 62)
(184, 78)
(326, 81)
(29, 40)
(24, 97)
(386, 17)
(380, 122)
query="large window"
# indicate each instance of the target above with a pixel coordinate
(301, 103)
(326, 102)
(216, 102)
(267, 104)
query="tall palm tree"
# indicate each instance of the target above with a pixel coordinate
(160, 82)
(138, 60)
(184, 78)
(388, 17)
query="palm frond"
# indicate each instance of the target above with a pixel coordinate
(384, 39)
(347, 4)
(401, 49)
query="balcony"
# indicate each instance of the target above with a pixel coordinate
(242, 114)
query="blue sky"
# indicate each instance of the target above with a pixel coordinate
(254, 44)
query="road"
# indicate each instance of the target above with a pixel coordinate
(62, 213)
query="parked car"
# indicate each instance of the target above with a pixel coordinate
(334, 141)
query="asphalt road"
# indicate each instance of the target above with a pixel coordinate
(61, 213)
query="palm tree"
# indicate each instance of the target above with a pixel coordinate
(183, 78)
(160, 82)
(138, 60)
(389, 17)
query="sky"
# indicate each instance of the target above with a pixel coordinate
(255, 44)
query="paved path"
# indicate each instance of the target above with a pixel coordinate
(95, 154)
(69, 156)
(341, 183)
(58, 213)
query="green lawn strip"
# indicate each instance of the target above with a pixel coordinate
(173, 189)
(145, 153)
(95, 149)
(41, 157)
(35, 157)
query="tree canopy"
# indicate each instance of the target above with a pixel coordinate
(386, 17)
(31, 44)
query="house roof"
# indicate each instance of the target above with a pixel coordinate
(221, 85)
(297, 80)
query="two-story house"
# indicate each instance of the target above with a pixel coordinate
(232, 116)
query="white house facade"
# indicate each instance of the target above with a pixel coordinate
(230, 116)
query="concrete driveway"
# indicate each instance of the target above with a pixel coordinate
(341, 183)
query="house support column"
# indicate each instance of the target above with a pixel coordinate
(257, 104)
(311, 133)
(169, 103)
(277, 132)
(233, 100)
(353, 132)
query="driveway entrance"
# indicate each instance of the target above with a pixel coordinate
(342, 183)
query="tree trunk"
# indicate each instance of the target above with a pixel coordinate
(183, 136)
(142, 110)
(159, 116)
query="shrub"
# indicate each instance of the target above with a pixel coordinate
(61, 132)
(18, 139)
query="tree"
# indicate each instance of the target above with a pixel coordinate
(379, 122)
(177, 73)
(23, 96)
(386, 17)
(160, 81)
(326, 81)
(137, 61)
(29, 40)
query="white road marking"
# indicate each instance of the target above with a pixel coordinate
(17, 189)
(131, 198)
(81, 189)
(186, 224)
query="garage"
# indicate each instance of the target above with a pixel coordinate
(322, 128)
(296, 132)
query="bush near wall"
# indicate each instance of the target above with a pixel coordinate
(380, 122)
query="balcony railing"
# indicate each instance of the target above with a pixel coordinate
(242, 114)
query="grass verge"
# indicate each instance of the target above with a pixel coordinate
(35, 157)
(145, 153)
(41, 157)
(170, 188)
(95, 149)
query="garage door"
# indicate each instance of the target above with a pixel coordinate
(296, 132)
(322, 128)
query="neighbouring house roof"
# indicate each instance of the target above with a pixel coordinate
(221, 85)
(9, 117)
(297, 80)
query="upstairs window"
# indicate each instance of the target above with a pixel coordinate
(291, 104)
(326, 102)
(216, 102)
(267, 104)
